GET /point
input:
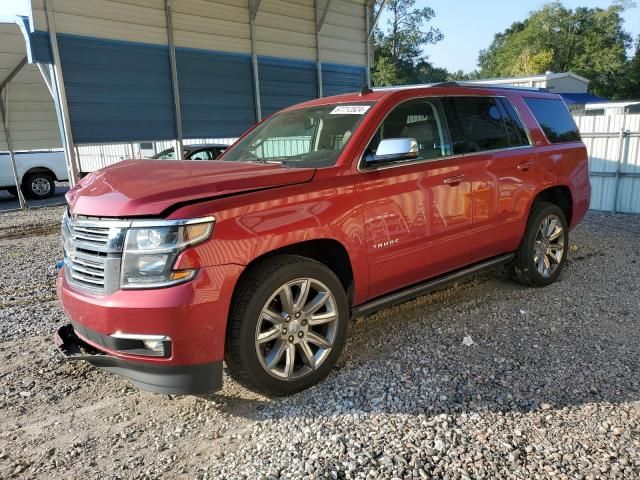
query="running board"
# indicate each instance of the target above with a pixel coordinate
(409, 293)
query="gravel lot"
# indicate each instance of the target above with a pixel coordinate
(9, 202)
(550, 386)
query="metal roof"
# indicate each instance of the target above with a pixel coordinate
(532, 78)
(28, 104)
(581, 98)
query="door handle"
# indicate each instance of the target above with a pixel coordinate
(453, 181)
(525, 166)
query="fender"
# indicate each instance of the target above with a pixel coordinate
(249, 226)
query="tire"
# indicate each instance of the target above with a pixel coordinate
(541, 256)
(248, 357)
(39, 185)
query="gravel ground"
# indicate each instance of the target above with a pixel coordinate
(9, 202)
(486, 379)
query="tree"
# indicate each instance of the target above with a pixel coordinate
(399, 47)
(630, 83)
(588, 41)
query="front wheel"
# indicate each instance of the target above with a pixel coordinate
(288, 325)
(543, 250)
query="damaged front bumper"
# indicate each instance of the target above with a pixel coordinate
(167, 379)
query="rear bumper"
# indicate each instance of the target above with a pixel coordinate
(159, 378)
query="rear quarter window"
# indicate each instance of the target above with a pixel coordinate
(554, 119)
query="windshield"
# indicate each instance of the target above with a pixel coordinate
(306, 137)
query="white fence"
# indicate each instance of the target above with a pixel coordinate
(613, 144)
(612, 140)
(95, 157)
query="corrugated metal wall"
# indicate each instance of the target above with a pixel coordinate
(115, 62)
(613, 143)
(29, 106)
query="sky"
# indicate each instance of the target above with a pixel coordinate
(469, 25)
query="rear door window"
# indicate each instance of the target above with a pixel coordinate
(554, 119)
(517, 134)
(478, 124)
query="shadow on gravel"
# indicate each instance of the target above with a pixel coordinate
(533, 349)
(9, 202)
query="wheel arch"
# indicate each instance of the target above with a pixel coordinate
(328, 251)
(559, 195)
(39, 169)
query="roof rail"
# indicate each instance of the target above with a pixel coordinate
(465, 84)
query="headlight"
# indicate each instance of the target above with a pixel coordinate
(151, 248)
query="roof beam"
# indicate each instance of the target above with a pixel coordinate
(13, 73)
(376, 18)
(254, 6)
(320, 21)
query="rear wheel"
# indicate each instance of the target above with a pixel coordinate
(39, 185)
(543, 250)
(288, 325)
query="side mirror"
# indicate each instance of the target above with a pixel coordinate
(394, 149)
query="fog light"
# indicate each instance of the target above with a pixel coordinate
(142, 344)
(154, 345)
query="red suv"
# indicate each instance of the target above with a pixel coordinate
(326, 211)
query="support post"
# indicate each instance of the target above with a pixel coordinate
(5, 124)
(368, 40)
(319, 21)
(174, 80)
(254, 6)
(61, 98)
(376, 18)
(623, 135)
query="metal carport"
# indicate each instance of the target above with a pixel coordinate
(151, 70)
(27, 108)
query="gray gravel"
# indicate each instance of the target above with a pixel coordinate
(486, 379)
(9, 202)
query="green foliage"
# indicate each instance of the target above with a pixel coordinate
(399, 58)
(630, 82)
(588, 41)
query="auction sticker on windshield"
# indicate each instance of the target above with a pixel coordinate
(350, 109)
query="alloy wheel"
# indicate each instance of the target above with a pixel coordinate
(40, 186)
(297, 329)
(549, 246)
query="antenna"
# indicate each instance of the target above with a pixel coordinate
(365, 90)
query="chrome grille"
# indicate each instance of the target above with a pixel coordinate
(92, 250)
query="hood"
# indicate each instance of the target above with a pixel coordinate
(149, 187)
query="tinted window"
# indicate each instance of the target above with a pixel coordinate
(477, 124)
(515, 130)
(554, 119)
(421, 120)
(202, 155)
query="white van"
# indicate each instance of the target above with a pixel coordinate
(37, 172)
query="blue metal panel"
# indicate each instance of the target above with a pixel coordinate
(216, 93)
(121, 91)
(285, 82)
(40, 47)
(117, 91)
(337, 79)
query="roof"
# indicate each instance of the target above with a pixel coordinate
(581, 98)
(427, 89)
(30, 109)
(532, 78)
(609, 105)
